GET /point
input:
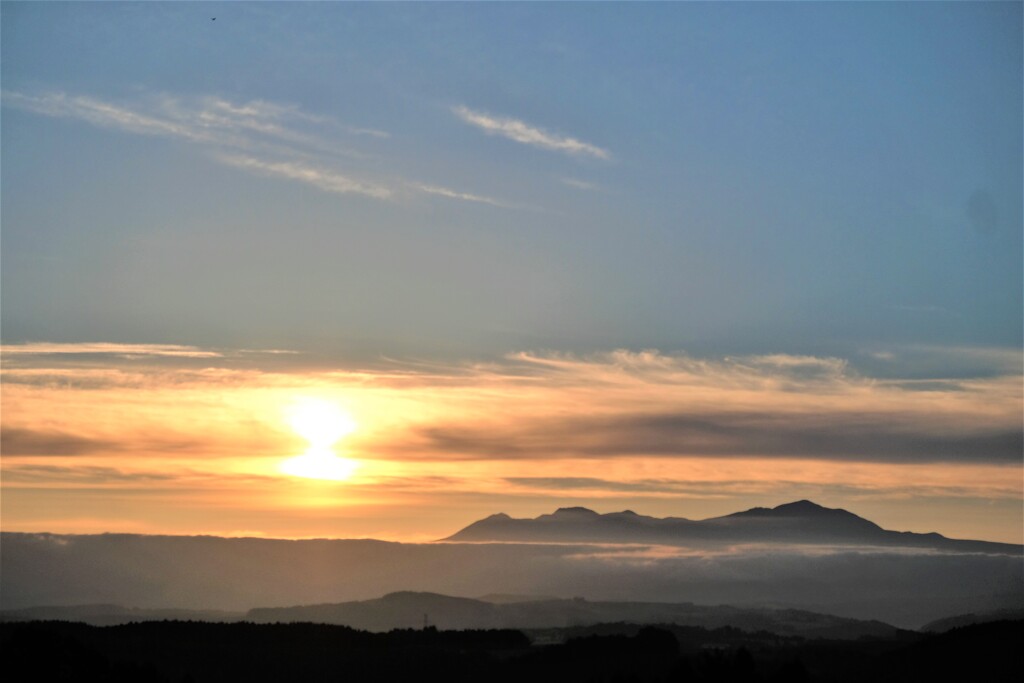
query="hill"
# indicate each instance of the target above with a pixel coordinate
(196, 651)
(800, 522)
(410, 610)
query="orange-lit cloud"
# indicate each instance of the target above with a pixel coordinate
(167, 427)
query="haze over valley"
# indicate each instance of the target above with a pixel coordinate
(795, 556)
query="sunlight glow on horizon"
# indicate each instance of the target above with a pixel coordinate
(401, 454)
(320, 464)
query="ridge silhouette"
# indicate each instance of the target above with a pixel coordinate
(799, 522)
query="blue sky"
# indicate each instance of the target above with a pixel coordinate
(836, 179)
(683, 258)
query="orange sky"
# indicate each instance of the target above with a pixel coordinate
(181, 440)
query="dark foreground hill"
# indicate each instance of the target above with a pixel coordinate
(198, 652)
(802, 522)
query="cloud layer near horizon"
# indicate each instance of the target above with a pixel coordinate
(551, 406)
(161, 420)
(651, 404)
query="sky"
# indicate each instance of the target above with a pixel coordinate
(347, 270)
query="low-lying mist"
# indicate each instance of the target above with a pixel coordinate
(904, 588)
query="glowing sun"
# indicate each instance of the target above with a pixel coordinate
(321, 423)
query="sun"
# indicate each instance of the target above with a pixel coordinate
(322, 423)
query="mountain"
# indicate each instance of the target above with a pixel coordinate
(801, 522)
(408, 609)
(402, 609)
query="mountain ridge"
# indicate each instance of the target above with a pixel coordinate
(411, 609)
(798, 522)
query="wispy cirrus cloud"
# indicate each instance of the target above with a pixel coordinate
(580, 184)
(263, 138)
(527, 134)
(108, 348)
(464, 196)
(109, 115)
(319, 177)
(212, 120)
(257, 114)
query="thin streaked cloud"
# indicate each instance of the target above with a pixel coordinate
(710, 488)
(527, 134)
(259, 137)
(320, 178)
(464, 196)
(107, 348)
(580, 184)
(109, 115)
(207, 119)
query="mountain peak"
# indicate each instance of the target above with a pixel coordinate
(803, 507)
(574, 512)
(799, 508)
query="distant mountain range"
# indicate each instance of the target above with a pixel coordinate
(414, 610)
(799, 556)
(801, 522)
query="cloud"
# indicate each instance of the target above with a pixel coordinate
(519, 131)
(263, 138)
(833, 435)
(110, 115)
(750, 488)
(649, 404)
(528, 407)
(256, 113)
(660, 433)
(580, 184)
(464, 196)
(41, 474)
(108, 348)
(17, 442)
(207, 119)
(320, 178)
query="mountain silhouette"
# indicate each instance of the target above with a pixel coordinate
(800, 522)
